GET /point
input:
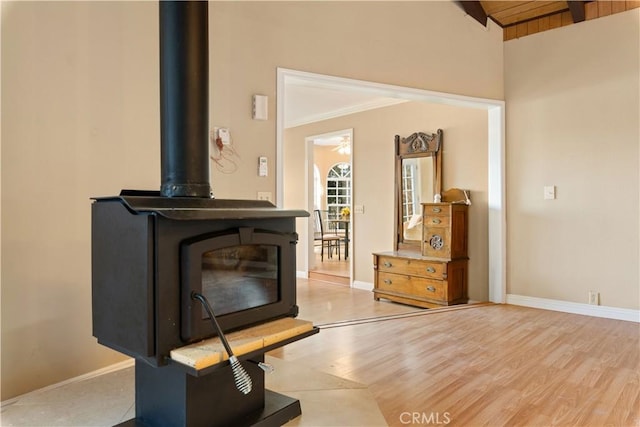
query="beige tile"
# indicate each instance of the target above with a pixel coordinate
(343, 408)
(109, 399)
(350, 403)
(290, 376)
(99, 401)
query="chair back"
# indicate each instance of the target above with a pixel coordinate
(318, 231)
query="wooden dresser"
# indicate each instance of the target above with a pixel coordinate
(436, 274)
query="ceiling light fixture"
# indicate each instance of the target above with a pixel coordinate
(344, 147)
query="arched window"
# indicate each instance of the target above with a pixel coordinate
(338, 188)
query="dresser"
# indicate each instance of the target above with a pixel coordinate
(444, 230)
(436, 273)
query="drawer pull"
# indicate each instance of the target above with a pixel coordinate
(387, 281)
(437, 210)
(431, 270)
(387, 264)
(431, 289)
(436, 221)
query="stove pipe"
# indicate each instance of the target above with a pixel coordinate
(184, 98)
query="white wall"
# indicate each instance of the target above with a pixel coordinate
(572, 97)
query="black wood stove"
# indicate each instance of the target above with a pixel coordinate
(152, 251)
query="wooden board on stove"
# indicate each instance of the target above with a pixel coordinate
(209, 352)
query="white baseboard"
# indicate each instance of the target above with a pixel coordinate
(93, 374)
(576, 308)
(302, 274)
(365, 286)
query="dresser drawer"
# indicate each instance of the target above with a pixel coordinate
(430, 209)
(412, 267)
(412, 286)
(436, 221)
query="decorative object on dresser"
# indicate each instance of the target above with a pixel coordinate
(456, 195)
(429, 265)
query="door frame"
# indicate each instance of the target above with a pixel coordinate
(309, 160)
(496, 153)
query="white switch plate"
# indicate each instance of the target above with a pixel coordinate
(260, 107)
(359, 209)
(549, 192)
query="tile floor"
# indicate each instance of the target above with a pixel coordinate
(108, 399)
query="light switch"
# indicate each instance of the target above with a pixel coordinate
(549, 192)
(260, 107)
(359, 209)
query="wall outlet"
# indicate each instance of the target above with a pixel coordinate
(264, 195)
(594, 298)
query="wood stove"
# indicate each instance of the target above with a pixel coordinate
(152, 251)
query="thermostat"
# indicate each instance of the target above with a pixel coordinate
(262, 166)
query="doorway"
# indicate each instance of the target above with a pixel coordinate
(495, 160)
(330, 158)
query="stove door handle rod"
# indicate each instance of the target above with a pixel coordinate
(240, 376)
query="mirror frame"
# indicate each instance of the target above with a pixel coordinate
(418, 144)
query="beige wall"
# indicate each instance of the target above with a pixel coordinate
(81, 118)
(572, 98)
(383, 42)
(465, 166)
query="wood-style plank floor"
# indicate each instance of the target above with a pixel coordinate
(334, 265)
(486, 365)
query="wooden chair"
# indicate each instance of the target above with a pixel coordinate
(329, 241)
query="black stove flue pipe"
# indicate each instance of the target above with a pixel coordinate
(184, 98)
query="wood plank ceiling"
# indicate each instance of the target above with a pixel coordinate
(522, 18)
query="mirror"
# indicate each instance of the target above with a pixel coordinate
(418, 175)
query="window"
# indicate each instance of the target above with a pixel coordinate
(338, 189)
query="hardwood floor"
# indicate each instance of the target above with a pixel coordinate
(334, 269)
(497, 365)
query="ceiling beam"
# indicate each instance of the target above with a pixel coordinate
(577, 10)
(474, 9)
